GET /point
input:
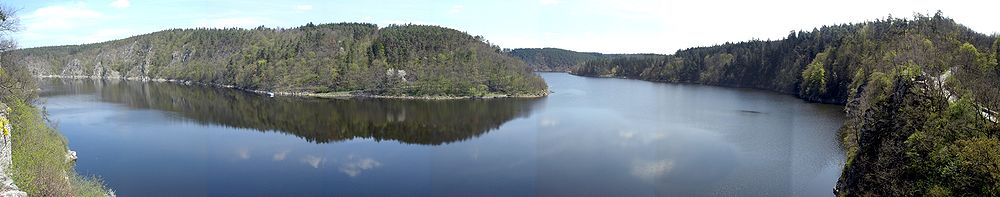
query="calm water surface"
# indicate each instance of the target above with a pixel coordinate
(591, 137)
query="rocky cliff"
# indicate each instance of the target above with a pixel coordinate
(8, 188)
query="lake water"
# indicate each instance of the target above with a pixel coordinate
(591, 137)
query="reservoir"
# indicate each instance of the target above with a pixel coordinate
(590, 137)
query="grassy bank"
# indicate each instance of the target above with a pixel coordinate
(40, 167)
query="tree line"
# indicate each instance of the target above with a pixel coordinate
(562, 60)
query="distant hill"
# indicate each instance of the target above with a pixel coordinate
(398, 60)
(553, 59)
(562, 60)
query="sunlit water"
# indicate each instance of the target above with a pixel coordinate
(591, 137)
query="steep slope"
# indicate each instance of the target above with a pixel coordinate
(918, 95)
(399, 60)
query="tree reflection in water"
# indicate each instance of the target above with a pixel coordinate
(429, 122)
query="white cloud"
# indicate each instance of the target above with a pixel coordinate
(313, 161)
(456, 9)
(120, 4)
(281, 155)
(60, 17)
(243, 153)
(548, 122)
(354, 166)
(651, 170)
(303, 7)
(627, 135)
(548, 2)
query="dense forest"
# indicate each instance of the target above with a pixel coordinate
(561, 60)
(553, 59)
(918, 94)
(405, 60)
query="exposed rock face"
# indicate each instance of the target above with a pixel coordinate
(7, 189)
(5, 140)
(70, 156)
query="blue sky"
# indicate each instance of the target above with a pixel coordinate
(615, 26)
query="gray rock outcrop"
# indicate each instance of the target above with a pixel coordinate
(7, 186)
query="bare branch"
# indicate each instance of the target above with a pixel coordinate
(9, 22)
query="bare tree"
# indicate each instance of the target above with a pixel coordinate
(12, 81)
(9, 23)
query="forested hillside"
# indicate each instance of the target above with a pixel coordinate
(918, 95)
(837, 55)
(553, 59)
(398, 60)
(561, 60)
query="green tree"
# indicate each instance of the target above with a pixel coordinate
(814, 77)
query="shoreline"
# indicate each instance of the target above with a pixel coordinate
(829, 102)
(327, 95)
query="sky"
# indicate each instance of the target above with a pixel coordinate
(606, 26)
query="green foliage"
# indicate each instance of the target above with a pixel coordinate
(977, 77)
(956, 152)
(88, 186)
(996, 49)
(16, 82)
(970, 56)
(814, 77)
(479, 90)
(880, 87)
(321, 58)
(3, 126)
(552, 59)
(909, 71)
(715, 65)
